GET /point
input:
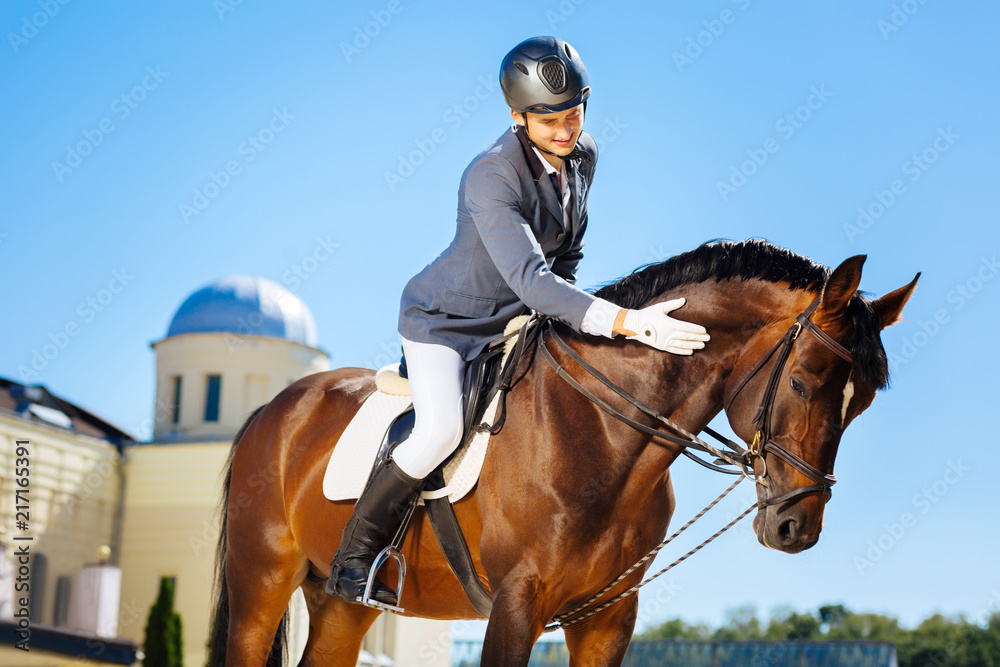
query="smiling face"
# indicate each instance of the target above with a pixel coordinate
(554, 132)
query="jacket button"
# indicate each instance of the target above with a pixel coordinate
(560, 236)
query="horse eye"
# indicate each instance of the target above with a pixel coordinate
(797, 387)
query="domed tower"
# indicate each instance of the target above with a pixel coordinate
(231, 347)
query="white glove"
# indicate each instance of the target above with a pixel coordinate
(655, 328)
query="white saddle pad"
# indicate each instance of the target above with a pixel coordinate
(352, 458)
(355, 452)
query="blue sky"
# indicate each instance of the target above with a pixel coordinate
(147, 149)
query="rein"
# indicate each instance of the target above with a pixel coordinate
(744, 459)
(574, 616)
(691, 440)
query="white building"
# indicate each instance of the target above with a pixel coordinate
(230, 347)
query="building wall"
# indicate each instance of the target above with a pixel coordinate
(170, 529)
(253, 369)
(73, 499)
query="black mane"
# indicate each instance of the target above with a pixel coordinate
(755, 259)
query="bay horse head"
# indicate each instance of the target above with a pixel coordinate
(795, 356)
(791, 400)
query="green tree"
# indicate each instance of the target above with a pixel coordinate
(938, 641)
(675, 628)
(741, 623)
(793, 626)
(864, 626)
(832, 615)
(163, 643)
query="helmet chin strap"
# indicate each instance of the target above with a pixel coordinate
(576, 154)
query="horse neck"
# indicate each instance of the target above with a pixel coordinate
(688, 390)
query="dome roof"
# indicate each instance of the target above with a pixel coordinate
(247, 306)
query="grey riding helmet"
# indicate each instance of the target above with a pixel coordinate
(544, 75)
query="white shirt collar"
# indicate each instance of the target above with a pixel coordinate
(564, 196)
(549, 169)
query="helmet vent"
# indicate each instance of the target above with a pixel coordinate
(524, 70)
(568, 53)
(555, 75)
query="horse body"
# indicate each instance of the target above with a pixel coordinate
(568, 497)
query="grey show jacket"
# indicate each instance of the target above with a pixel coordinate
(511, 251)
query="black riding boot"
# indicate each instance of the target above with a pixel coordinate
(377, 515)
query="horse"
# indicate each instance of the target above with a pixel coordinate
(569, 497)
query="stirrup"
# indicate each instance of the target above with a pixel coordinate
(384, 555)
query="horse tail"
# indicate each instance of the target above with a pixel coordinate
(219, 634)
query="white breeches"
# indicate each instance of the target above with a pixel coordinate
(436, 375)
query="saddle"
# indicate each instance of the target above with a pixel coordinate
(489, 373)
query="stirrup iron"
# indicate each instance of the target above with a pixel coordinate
(384, 555)
(394, 551)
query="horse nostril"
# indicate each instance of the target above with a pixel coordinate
(787, 531)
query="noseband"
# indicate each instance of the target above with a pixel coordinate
(763, 441)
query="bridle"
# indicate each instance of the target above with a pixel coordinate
(763, 441)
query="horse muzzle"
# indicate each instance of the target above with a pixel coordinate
(790, 527)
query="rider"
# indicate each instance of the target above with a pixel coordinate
(522, 213)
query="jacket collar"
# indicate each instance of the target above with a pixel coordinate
(534, 164)
(550, 197)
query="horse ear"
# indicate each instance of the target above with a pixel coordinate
(842, 285)
(889, 308)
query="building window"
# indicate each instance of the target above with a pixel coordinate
(175, 405)
(212, 390)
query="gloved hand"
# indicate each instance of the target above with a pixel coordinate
(654, 327)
